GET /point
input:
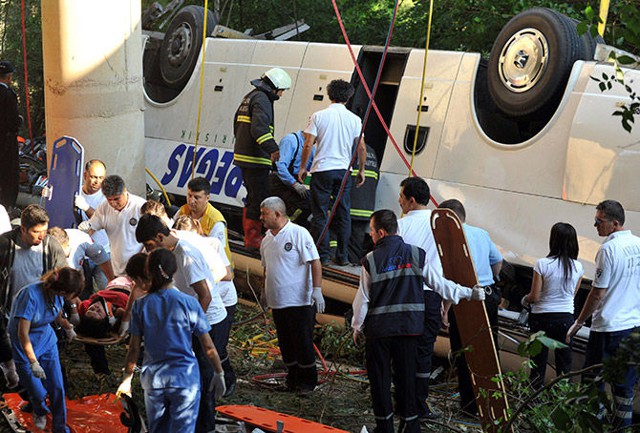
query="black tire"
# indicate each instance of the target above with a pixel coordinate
(181, 45)
(531, 60)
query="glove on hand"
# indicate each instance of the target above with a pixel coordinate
(217, 385)
(71, 333)
(81, 203)
(316, 295)
(84, 226)
(125, 386)
(124, 328)
(301, 190)
(37, 370)
(477, 293)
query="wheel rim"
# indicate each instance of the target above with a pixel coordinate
(179, 45)
(523, 60)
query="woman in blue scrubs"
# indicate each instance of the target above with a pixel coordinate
(167, 319)
(34, 342)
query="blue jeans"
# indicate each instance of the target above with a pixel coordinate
(324, 186)
(172, 410)
(601, 346)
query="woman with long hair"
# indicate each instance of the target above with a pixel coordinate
(167, 319)
(556, 279)
(34, 342)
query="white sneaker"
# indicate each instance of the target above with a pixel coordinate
(40, 421)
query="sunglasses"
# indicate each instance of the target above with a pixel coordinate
(598, 221)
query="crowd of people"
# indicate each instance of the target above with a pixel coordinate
(168, 282)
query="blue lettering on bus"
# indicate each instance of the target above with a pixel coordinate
(218, 170)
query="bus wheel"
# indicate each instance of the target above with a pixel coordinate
(531, 60)
(181, 45)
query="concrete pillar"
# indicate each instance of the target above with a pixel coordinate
(92, 52)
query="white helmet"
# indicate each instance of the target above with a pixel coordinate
(279, 78)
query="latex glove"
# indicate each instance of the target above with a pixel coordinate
(301, 190)
(46, 192)
(81, 203)
(74, 318)
(316, 295)
(477, 293)
(124, 328)
(84, 226)
(573, 331)
(71, 333)
(125, 386)
(217, 386)
(37, 370)
(525, 304)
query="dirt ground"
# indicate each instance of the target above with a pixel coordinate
(341, 400)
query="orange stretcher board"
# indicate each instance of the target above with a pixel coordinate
(473, 322)
(268, 420)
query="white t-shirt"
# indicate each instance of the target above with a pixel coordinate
(415, 229)
(94, 200)
(76, 251)
(217, 259)
(5, 222)
(557, 294)
(193, 267)
(618, 271)
(121, 229)
(336, 130)
(286, 257)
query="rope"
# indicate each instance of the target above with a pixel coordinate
(424, 79)
(26, 74)
(366, 88)
(368, 111)
(204, 51)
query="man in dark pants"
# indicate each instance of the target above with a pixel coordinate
(487, 261)
(335, 132)
(293, 284)
(10, 122)
(415, 229)
(284, 181)
(255, 148)
(389, 309)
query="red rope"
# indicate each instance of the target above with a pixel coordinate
(366, 88)
(26, 75)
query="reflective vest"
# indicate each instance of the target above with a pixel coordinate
(363, 199)
(396, 295)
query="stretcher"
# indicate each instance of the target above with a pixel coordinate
(65, 181)
(276, 422)
(473, 322)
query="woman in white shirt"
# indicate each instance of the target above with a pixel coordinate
(556, 278)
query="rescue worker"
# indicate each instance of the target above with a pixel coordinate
(284, 181)
(10, 122)
(255, 149)
(389, 310)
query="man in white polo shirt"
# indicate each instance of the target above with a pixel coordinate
(614, 301)
(415, 229)
(293, 283)
(194, 277)
(118, 216)
(335, 131)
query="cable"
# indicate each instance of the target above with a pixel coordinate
(204, 51)
(366, 116)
